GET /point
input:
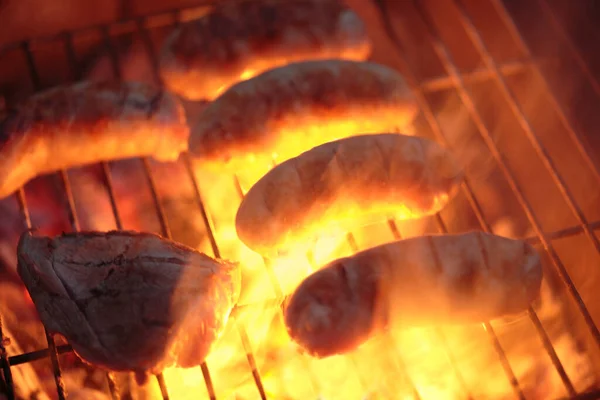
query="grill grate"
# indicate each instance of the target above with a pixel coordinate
(454, 79)
(467, 100)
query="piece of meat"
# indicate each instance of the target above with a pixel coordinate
(344, 183)
(236, 41)
(427, 280)
(129, 301)
(85, 123)
(288, 110)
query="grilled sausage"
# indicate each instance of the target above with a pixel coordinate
(291, 109)
(462, 278)
(238, 41)
(85, 123)
(129, 301)
(350, 180)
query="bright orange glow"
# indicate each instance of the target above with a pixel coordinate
(247, 74)
(292, 138)
(260, 65)
(386, 367)
(326, 229)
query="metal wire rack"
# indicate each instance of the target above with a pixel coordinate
(453, 79)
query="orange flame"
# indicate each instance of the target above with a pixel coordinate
(392, 366)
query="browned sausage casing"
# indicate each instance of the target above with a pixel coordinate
(288, 110)
(461, 278)
(86, 123)
(129, 301)
(345, 182)
(236, 41)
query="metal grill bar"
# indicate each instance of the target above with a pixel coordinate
(108, 184)
(217, 254)
(160, 211)
(480, 75)
(576, 137)
(92, 28)
(251, 361)
(37, 355)
(73, 218)
(558, 28)
(563, 233)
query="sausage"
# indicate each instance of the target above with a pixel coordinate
(428, 280)
(346, 182)
(291, 109)
(85, 123)
(236, 41)
(129, 301)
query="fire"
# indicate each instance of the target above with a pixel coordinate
(392, 366)
(303, 135)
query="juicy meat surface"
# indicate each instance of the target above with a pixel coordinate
(346, 182)
(291, 109)
(129, 301)
(88, 122)
(238, 40)
(422, 281)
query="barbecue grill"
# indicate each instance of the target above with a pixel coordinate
(511, 88)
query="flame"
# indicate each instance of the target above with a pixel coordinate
(449, 364)
(391, 366)
(258, 66)
(303, 134)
